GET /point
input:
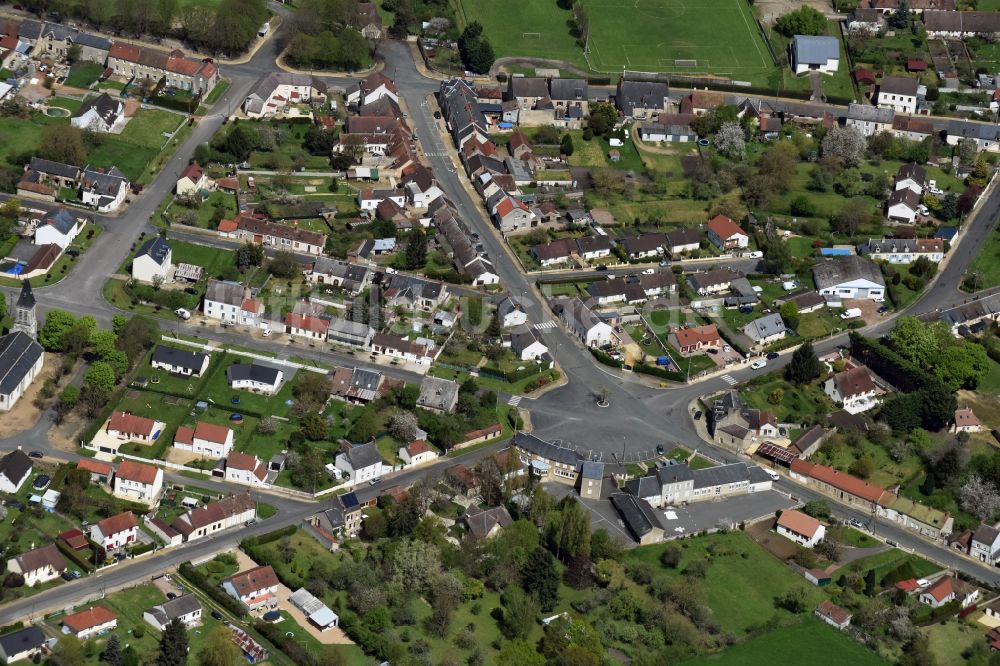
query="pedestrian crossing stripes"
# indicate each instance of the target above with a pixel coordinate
(545, 324)
(515, 400)
(729, 380)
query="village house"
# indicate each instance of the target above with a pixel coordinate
(438, 395)
(231, 303)
(726, 234)
(195, 76)
(352, 278)
(526, 344)
(682, 241)
(765, 330)
(154, 262)
(800, 528)
(245, 468)
(417, 452)
(898, 93)
(966, 421)
(903, 206)
(914, 128)
(854, 389)
(985, 544)
(23, 644)
(938, 593)
(39, 565)
(15, 469)
(103, 189)
(103, 114)
(58, 227)
(371, 89)
(911, 176)
(356, 385)
(511, 313)
(641, 99)
(972, 317)
(815, 54)
(138, 481)
(903, 250)
(639, 518)
(865, 20)
(115, 532)
(677, 483)
(93, 621)
(185, 608)
(844, 487)
(696, 338)
(101, 472)
(715, 281)
(254, 377)
(833, 615)
(276, 91)
(344, 517)
(255, 588)
(192, 181)
(849, 277)
(396, 346)
(545, 460)
(360, 463)
(581, 321)
(223, 514)
(250, 228)
(643, 246)
(179, 361)
(205, 439)
(414, 293)
(869, 120)
(486, 523)
(126, 427)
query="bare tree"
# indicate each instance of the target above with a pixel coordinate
(979, 497)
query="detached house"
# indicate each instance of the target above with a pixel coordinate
(179, 361)
(231, 303)
(192, 180)
(438, 395)
(255, 588)
(833, 615)
(581, 321)
(726, 234)
(526, 345)
(800, 528)
(938, 593)
(360, 463)
(985, 544)
(254, 377)
(185, 608)
(904, 250)
(22, 644)
(58, 227)
(898, 93)
(15, 469)
(911, 176)
(93, 621)
(966, 421)
(154, 262)
(694, 339)
(853, 388)
(416, 453)
(246, 469)
(103, 114)
(126, 427)
(138, 481)
(713, 282)
(39, 565)
(765, 330)
(849, 277)
(903, 206)
(115, 532)
(815, 54)
(511, 313)
(205, 439)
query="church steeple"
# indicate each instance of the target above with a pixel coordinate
(24, 312)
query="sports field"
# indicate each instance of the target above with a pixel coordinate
(678, 36)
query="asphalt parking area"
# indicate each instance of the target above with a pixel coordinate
(684, 520)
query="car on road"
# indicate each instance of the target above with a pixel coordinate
(757, 365)
(772, 355)
(659, 449)
(697, 415)
(182, 313)
(374, 482)
(882, 310)
(437, 115)
(649, 271)
(36, 454)
(774, 475)
(250, 523)
(66, 575)
(664, 263)
(854, 522)
(602, 267)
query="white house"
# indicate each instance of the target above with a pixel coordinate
(985, 544)
(526, 345)
(254, 377)
(231, 303)
(833, 615)
(205, 439)
(853, 388)
(93, 621)
(898, 93)
(192, 180)
(904, 250)
(911, 176)
(154, 262)
(800, 528)
(15, 468)
(967, 421)
(815, 54)
(22, 644)
(511, 313)
(417, 452)
(103, 189)
(373, 88)
(360, 463)
(226, 513)
(278, 90)
(255, 588)
(581, 321)
(179, 361)
(765, 330)
(867, 119)
(938, 593)
(726, 234)
(115, 532)
(59, 227)
(849, 277)
(138, 481)
(185, 608)
(126, 427)
(39, 565)
(104, 114)
(246, 469)
(903, 206)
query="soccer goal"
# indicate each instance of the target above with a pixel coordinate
(688, 64)
(531, 35)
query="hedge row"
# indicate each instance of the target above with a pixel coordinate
(196, 578)
(73, 556)
(269, 537)
(655, 371)
(143, 548)
(605, 359)
(886, 363)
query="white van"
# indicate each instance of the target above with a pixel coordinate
(182, 313)
(851, 313)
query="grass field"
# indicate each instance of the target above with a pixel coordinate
(147, 127)
(987, 262)
(810, 643)
(82, 74)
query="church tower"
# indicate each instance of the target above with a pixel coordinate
(24, 312)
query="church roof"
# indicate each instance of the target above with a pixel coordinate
(26, 298)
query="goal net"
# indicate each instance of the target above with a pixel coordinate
(531, 35)
(685, 63)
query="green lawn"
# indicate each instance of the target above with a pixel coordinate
(850, 536)
(219, 392)
(524, 28)
(986, 265)
(950, 638)
(147, 128)
(742, 580)
(82, 74)
(219, 88)
(64, 103)
(796, 401)
(808, 643)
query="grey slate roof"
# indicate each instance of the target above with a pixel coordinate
(898, 85)
(639, 517)
(720, 475)
(815, 50)
(765, 326)
(93, 41)
(15, 465)
(592, 470)
(832, 272)
(18, 354)
(437, 393)
(644, 486)
(53, 168)
(364, 455)
(104, 182)
(255, 372)
(174, 608)
(986, 534)
(26, 299)
(631, 95)
(674, 474)
(527, 86)
(156, 249)
(22, 640)
(182, 358)
(521, 338)
(869, 114)
(547, 450)
(105, 107)
(230, 293)
(569, 90)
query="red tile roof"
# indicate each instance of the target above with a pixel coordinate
(307, 323)
(965, 418)
(856, 381)
(417, 447)
(88, 619)
(724, 227)
(249, 581)
(941, 589)
(131, 424)
(94, 466)
(228, 226)
(799, 523)
(839, 480)
(246, 462)
(192, 171)
(908, 585)
(123, 522)
(687, 337)
(130, 470)
(74, 538)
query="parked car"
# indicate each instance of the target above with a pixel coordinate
(182, 313)
(772, 355)
(649, 271)
(660, 450)
(601, 267)
(757, 365)
(854, 522)
(36, 454)
(374, 482)
(250, 523)
(697, 415)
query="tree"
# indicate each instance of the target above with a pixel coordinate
(569, 531)
(519, 652)
(914, 341)
(539, 577)
(173, 645)
(283, 265)
(475, 49)
(306, 468)
(76, 339)
(777, 258)
(845, 144)
(857, 212)
(57, 322)
(240, 142)
(566, 145)
(220, 650)
(730, 140)
(415, 564)
(817, 509)
(103, 343)
(980, 498)
(311, 390)
(314, 427)
(63, 143)
(862, 467)
(137, 336)
(804, 366)
(403, 426)
(602, 117)
(69, 652)
(518, 614)
(416, 250)
(112, 654)
(671, 556)
(790, 314)
(900, 18)
(101, 375)
(249, 254)
(961, 365)
(364, 427)
(803, 21)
